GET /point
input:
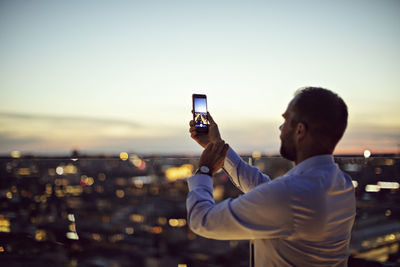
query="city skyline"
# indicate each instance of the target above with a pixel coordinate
(98, 76)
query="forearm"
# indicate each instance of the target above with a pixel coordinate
(243, 175)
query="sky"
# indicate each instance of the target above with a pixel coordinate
(109, 76)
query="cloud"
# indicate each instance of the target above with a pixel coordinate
(48, 133)
(375, 137)
(7, 141)
(61, 134)
(67, 119)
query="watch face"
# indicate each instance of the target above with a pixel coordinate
(204, 169)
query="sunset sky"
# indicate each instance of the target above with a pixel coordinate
(111, 76)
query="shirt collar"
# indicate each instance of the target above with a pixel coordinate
(310, 163)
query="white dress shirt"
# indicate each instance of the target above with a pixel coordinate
(303, 218)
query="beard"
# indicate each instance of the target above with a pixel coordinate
(288, 149)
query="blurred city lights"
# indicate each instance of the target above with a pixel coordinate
(388, 185)
(157, 230)
(15, 154)
(86, 181)
(162, 220)
(367, 153)
(123, 156)
(49, 189)
(72, 235)
(71, 217)
(70, 169)
(102, 177)
(173, 222)
(138, 183)
(181, 222)
(120, 193)
(352, 167)
(142, 165)
(218, 192)
(256, 154)
(372, 188)
(60, 170)
(74, 190)
(4, 224)
(126, 184)
(177, 222)
(381, 185)
(137, 162)
(72, 227)
(129, 230)
(177, 173)
(138, 218)
(116, 238)
(24, 171)
(90, 181)
(100, 189)
(96, 237)
(389, 162)
(40, 235)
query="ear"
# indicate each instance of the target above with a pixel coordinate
(301, 131)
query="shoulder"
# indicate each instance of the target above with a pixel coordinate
(316, 182)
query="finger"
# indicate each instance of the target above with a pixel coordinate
(210, 118)
(220, 142)
(226, 148)
(219, 146)
(210, 147)
(194, 135)
(191, 123)
(192, 129)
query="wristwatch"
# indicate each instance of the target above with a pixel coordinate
(203, 170)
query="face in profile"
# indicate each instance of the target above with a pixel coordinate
(288, 149)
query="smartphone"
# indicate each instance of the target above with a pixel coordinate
(200, 113)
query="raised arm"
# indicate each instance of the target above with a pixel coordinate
(263, 212)
(243, 175)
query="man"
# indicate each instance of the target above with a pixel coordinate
(303, 218)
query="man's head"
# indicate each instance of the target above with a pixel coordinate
(315, 121)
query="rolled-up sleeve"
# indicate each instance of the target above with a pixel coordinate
(261, 213)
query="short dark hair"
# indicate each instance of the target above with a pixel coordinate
(323, 112)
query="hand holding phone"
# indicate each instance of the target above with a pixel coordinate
(197, 131)
(200, 113)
